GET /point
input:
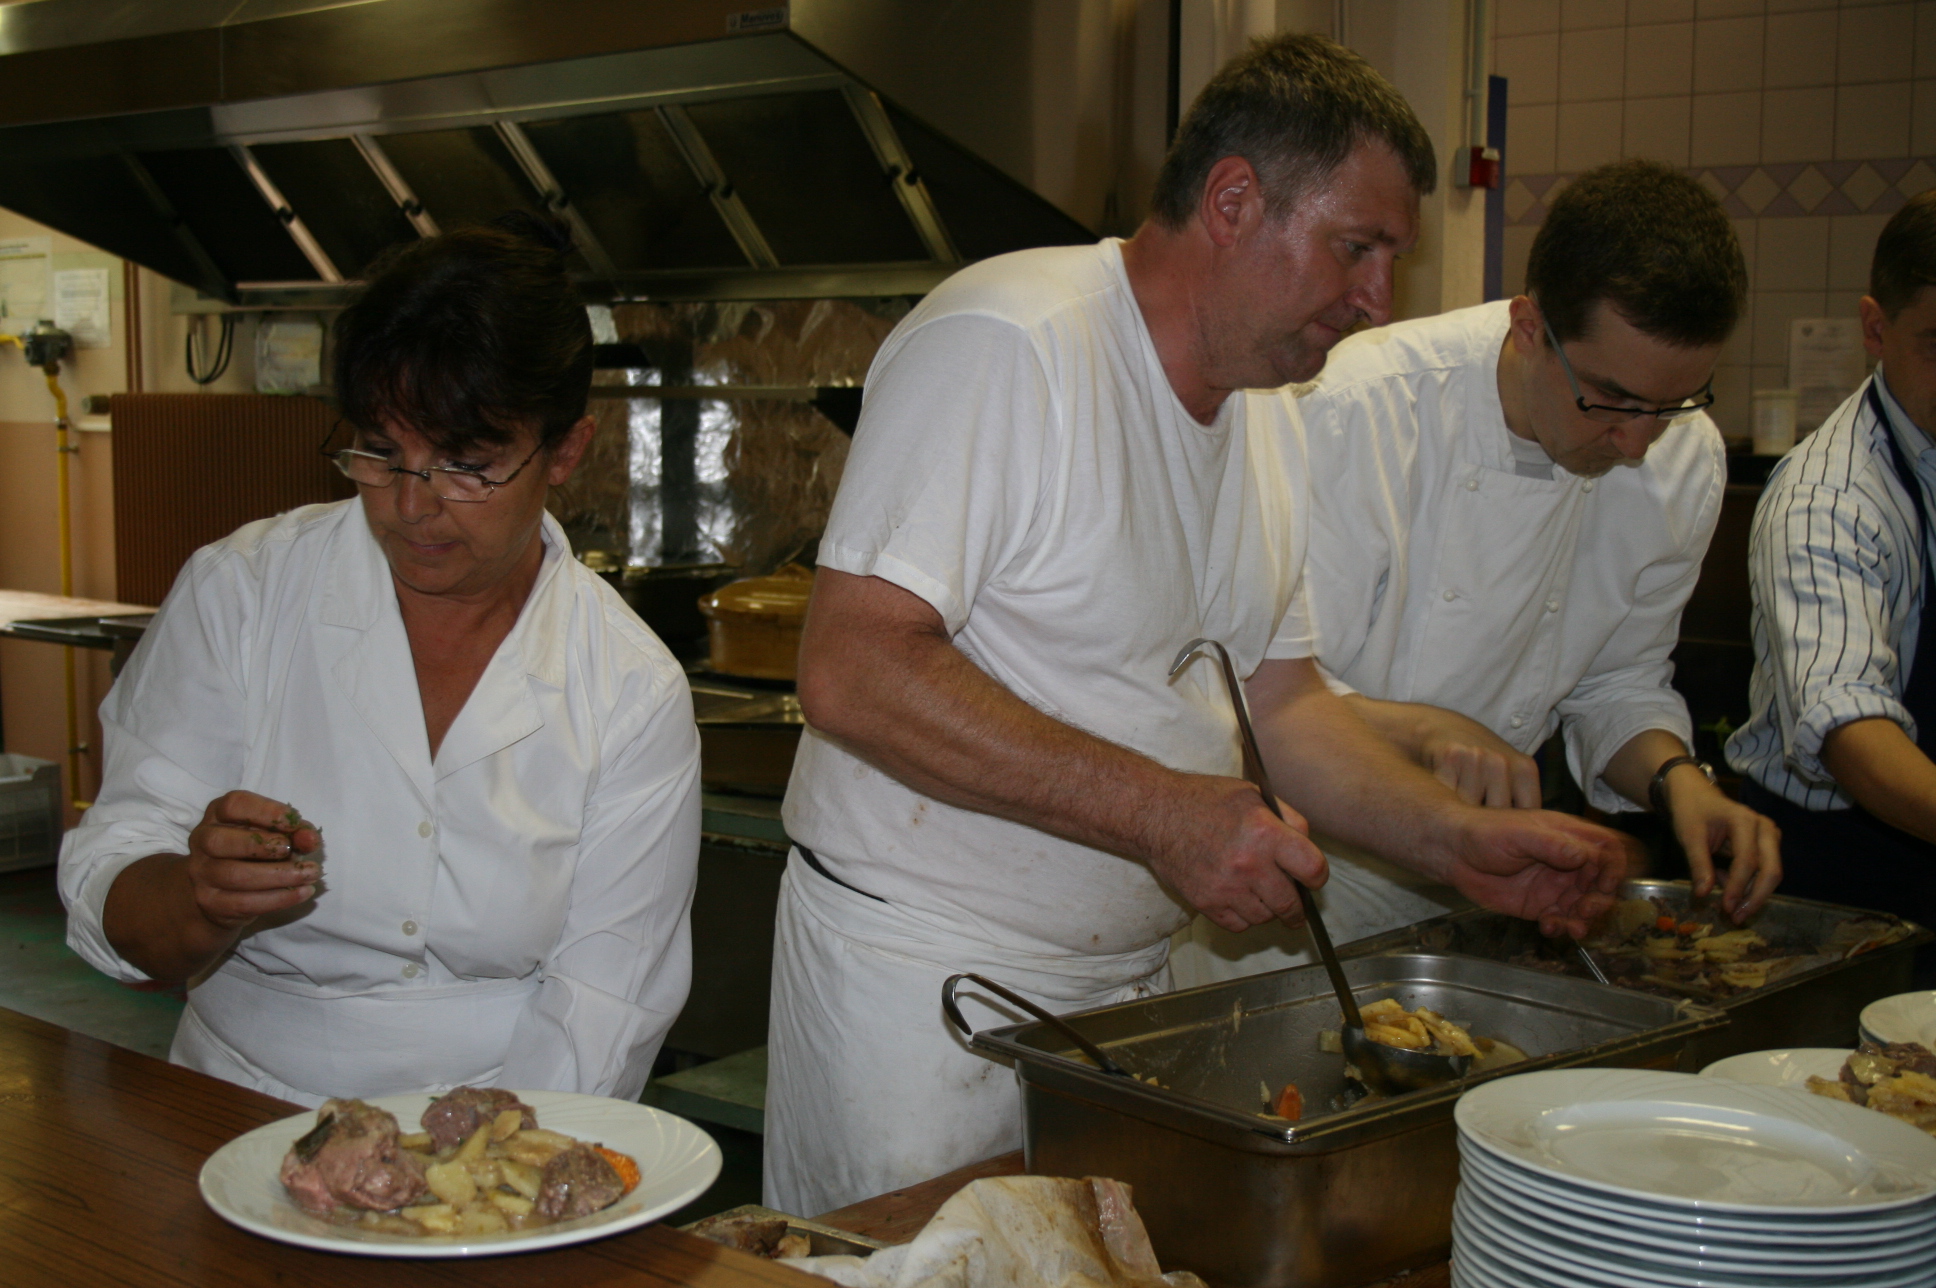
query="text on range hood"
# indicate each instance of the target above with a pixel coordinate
(700, 150)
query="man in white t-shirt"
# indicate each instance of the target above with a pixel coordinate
(1516, 501)
(1057, 482)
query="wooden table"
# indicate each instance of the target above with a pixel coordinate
(100, 1148)
(99, 1153)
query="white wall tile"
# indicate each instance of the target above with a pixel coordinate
(1926, 38)
(1657, 128)
(1641, 12)
(1792, 254)
(1843, 304)
(1851, 247)
(1726, 8)
(1739, 347)
(1801, 49)
(1531, 64)
(1748, 233)
(1773, 311)
(1797, 124)
(1518, 242)
(1876, 44)
(1578, 14)
(1727, 54)
(1530, 134)
(1922, 120)
(1796, 6)
(1726, 129)
(1872, 120)
(1518, 17)
(1660, 59)
(1589, 135)
(1592, 64)
(1732, 409)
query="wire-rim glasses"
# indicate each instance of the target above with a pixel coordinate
(446, 482)
(1606, 415)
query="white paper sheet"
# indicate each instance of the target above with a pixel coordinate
(288, 355)
(23, 282)
(1825, 364)
(81, 306)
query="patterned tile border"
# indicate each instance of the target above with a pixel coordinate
(1768, 191)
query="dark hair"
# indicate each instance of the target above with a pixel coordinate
(1650, 242)
(1294, 107)
(469, 337)
(1905, 255)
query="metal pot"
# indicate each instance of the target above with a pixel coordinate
(753, 625)
(666, 599)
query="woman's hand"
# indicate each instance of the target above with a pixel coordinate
(171, 915)
(245, 859)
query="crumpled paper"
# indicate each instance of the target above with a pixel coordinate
(1017, 1232)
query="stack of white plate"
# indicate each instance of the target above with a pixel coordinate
(1610, 1178)
(1906, 1017)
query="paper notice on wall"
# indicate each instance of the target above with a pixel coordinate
(288, 355)
(1826, 363)
(81, 306)
(23, 282)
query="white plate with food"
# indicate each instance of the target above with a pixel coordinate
(1700, 1143)
(1906, 1017)
(1792, 1067)
(380, 1203)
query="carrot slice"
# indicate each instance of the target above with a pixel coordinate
(628, 1171)
(1290, 1103)
(1667, 924)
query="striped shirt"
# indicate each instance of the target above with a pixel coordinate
(1837, 572)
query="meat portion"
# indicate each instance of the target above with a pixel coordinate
(351, 1159)
(577, 1182)
(452, 1118)
(759, 1235)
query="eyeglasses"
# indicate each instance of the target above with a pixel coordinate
(1606, 415)
(447, 482)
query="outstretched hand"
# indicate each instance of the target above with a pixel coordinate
(1556, 869)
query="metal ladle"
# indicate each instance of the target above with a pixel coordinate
(1389, 1069)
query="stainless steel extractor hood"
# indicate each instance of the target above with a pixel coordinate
(263, 152)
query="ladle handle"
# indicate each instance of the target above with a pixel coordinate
(1055, 1022)
(1259, 777)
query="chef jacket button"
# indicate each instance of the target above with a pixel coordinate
(1518, 721)
(1587, 486)
(1552, 605)
(1451, 595)
(1472, 485)
(424, 828)
(412, 971)
(409, 927)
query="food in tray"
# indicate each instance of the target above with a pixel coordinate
(1656, 947)
(1388, 1022)
(481, 1165)
(762, 1234)
(1898, 1079)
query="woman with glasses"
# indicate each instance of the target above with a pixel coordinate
(406, 795)
(1510, 507)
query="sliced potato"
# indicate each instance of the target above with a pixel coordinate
(481, 1218)
(511, 1204)
(522, 1177)
(416, 1140)
(507, 1124)
(473, 1149)
(451, 1182)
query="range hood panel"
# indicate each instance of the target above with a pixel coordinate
(694, 165)
(331, 175)
(809, 179)
(627, 178)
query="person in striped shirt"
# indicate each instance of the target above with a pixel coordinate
(1838, 750)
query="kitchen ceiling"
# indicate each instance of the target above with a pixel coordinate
(263, 152)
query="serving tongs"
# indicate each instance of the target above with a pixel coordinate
(1388, 1069)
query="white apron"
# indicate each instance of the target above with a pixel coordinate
(868, 1086)
(356, 1045)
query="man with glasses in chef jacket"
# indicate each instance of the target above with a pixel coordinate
(1510, 507)
(1839, 748)
(1058, 482)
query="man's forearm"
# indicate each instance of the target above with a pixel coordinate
(903, 698)
(1885, 773)
(1349, 777)
(1404, 724)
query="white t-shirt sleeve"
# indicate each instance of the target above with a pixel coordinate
(948, 462)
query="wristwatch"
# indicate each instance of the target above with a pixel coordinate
(1657, 786)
